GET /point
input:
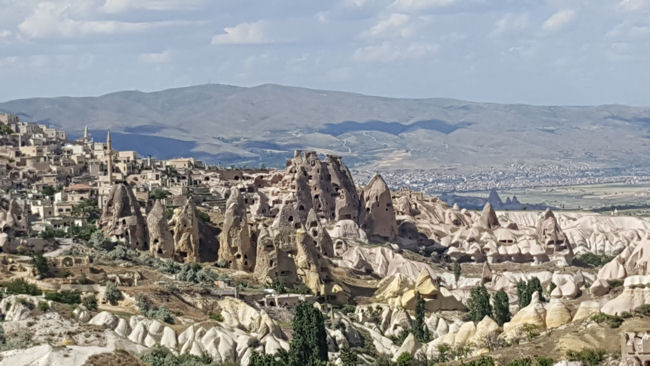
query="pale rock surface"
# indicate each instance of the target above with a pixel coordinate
(122, 220)
(160, 239)
(379, 216)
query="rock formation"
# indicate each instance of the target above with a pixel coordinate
(347, 201)
(379, 216)
(122, 220)
(184, 227)
(236, 246)
(161, 240)
(489, 217)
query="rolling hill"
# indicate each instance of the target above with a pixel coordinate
(263, 124)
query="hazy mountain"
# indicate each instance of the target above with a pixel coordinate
(227, 124)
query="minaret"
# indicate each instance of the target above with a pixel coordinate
(86, 134)
(109, 154)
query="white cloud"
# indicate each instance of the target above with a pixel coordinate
(510, 23)
(51, 19)
(559, 20)
(322, 17)
(388, 52)
(395, 24)
(244, 33)
(633, 5)
(417, 5)
(5, 35)
(118, 6)
(155, 57)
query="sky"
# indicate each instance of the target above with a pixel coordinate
(558, 52)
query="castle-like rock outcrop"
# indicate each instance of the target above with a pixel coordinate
(184, 227)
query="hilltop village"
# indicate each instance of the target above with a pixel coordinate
(106, 256)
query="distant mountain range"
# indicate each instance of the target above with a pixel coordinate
(263, 124)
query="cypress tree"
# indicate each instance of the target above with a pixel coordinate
(420, 330)
(309, 343)
(479, 304)
(501, 307)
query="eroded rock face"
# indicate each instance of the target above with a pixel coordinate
(549, 231)
(122, 220)
(161, 240)
(14, 217)
(347, 201)
(379, 216)
(236, 246)
(312, 184)
(184, 227)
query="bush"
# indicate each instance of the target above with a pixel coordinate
(43, 306)
(161, 356)
(50, 233)
(82, 232)
(40, 263)
(65, 297)
(483, 361)
(148, 309)
(520, 362)
(112, 295)
(587, 357)
(531, 331)
(90, 302)
(643, 310)
(348, 357)
(614, 283)
(613, 321)
(544, 361)
(398, 340)
(20, 286)
(279, 359)
(158, 194)
(348, 309)
(592, 260)
(405, 359)
(194, 272)
(525, 291)
(216, 317)
(479, 303)
(457, 270)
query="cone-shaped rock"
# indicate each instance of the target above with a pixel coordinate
(379, 216)
(184, 227)
(121, 218)
(489, 217)
(161, 242)
(236, 247)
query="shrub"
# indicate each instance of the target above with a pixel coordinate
(40, 263)
(348, 357)
(525, 291)
(614, 283)
(148, 309)
(216, 317)
(398, 340)
(483, 361)
(158, 194)
(544, 361)
(161, 356)
(613, 321)
(65, 297)
(592, 260)
(20, 286)
(479, 303)
(43, 306)
(457, 270)
(520, 362)
(531, 331)
(643, 310)
(587, 357)
(405, 359)
(281, 358)
(90, 302)
(348, 309)
(50, 233)
(112, 295)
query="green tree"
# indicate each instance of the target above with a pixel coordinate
(405, 359)
(158, 194)
(420, 330)
(457, 270)
(309, 343)
(86, 209)
(348, 357)
(525, 291)
(479, 303)
(90, 302)
(112, 295)
(279, 359)
(5, 129)
(40, 263)
(501, 307)
(48, 191)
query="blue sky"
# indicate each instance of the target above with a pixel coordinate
(514, 51)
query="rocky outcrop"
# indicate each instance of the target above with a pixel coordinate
(346, 197)
(184, 227)
(636, 292)
(161, 242)
(14, 217)
(122, 220)
(549, 232)
(489, 217)
(236, 246)
(320, 236)
(532, 315)
(379, 216)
